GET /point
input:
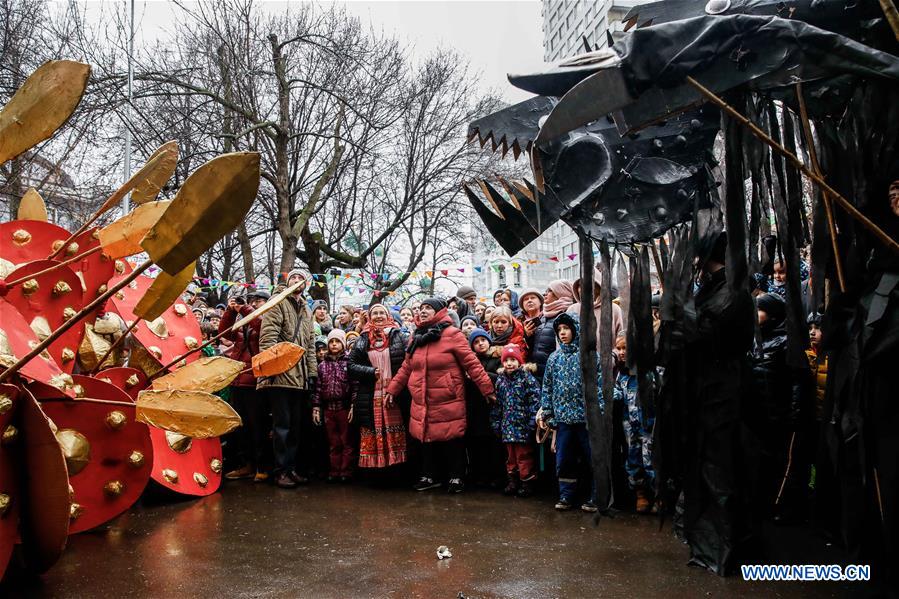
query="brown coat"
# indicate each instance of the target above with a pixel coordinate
(291, 321)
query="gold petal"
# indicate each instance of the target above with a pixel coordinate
(208, 374)
(192, 413)
(32, 206)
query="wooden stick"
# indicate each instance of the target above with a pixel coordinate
(794, 160)
(206, 343)
(74, 320)
(783, 483)
(879, 498)
(56, 266)
(114, 345)
(892, 15)
(110, 402)
(816, 166)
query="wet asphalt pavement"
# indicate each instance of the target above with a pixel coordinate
(354, 541)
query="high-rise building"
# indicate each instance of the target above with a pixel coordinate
(567, 23)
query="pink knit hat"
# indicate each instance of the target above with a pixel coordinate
(513, 351)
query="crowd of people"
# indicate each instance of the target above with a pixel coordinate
(453, 392)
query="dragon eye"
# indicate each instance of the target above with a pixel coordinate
(716, 7)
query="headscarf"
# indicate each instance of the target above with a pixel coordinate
(564, 292)
(430, 330)
(378, 335)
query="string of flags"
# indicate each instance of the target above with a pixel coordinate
(355, 282)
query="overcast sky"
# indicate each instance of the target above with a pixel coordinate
(497, 36)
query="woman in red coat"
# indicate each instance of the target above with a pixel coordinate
(437, 361)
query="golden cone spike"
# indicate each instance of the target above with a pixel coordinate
(32, 206)
(163, 292)
(41, 106)
(206, 374)
(155, 180)
(193, 413)
(210, 204)
(122, 237)
(277, 359)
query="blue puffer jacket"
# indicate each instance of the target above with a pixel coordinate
(542, 344)
(517, 400)
(562, 399)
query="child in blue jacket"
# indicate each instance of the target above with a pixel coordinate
(562, 409)
(517, 401)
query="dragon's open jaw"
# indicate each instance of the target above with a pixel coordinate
(511, 211)
(513, 128)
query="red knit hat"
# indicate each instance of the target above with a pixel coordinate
(513, 351)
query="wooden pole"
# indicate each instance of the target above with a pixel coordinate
(74, 320)
(11, 284)
(794, 160)
(892, 15)
(816, 166)
(206, 343)
(109, 402)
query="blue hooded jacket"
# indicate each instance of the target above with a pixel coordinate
(562, 398)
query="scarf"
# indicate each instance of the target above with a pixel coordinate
(504, 338)
(378, 336)
(564, 293)
(428, 332)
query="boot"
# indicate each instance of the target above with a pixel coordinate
(527, 487)
(511, 485)
(643, 503)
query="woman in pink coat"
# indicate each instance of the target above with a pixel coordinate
(437, 362)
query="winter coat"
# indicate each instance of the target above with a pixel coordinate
(291, 321)
(517, 337)
(477, 409)
(542, 343)
(778, 390)
(332, 389)
(435, 375)
(245, 343)
(362, 373)
(818, 365)
(517, 401)
(562, 395)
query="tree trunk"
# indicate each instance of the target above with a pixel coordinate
(282, 165)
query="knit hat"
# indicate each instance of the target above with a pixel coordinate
(530, 291)
(773, 305)
(434, 302)
(321, 340)
(466, 291)
(568, 320)
(337, 334)
(350, 336)
(814, 318)
(319, 304)
(298, 271)
(472, 318)
(513, 351)
(475, 334)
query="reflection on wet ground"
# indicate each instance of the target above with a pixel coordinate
(335, 541)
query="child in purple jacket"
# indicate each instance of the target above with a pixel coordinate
(333, 393)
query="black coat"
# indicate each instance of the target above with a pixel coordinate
(362, 373)
(542, 344)
(477, 410)
(781, 393)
